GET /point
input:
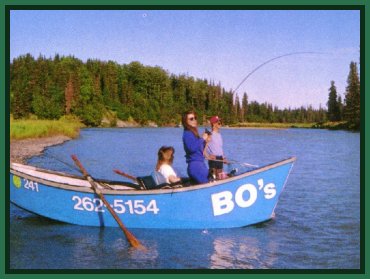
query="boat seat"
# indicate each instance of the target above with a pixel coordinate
(148, 183)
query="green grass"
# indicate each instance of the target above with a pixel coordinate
(31, 128)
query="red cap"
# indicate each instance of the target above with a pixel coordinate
(214, 119)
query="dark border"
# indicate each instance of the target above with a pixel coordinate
(7, 137)
(362, 139)
(361, 8)
(184, 7)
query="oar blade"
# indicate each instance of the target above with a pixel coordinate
(134, 241)
(130, 237)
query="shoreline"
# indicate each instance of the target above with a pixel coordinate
(22, 150)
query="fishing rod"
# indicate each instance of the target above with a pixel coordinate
(232, 162)
(270, 60)
(242, 164)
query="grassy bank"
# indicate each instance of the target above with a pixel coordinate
(30, 128)
(341, 125)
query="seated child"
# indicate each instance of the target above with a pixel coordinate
(164, 165)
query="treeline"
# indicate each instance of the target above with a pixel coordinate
(348, 109)
(50, 88)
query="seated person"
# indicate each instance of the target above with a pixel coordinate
(164, 166)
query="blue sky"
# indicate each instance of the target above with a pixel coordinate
(222, 46)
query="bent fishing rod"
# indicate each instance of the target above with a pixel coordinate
(270, 60)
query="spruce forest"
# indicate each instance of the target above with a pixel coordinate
(50, 88)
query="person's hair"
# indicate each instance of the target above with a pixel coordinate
(165, 155)
(185, 124)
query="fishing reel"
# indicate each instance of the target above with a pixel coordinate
(208, 132)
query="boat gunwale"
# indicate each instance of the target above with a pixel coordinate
(134, 191)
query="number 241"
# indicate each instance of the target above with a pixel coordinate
(30, 185)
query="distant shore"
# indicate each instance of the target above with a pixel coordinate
(21, 150)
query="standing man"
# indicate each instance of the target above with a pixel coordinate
(214, 150)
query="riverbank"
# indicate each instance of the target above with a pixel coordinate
(29, 137)
(38, 128)
(21, 150)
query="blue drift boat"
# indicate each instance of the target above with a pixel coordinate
(237, 201)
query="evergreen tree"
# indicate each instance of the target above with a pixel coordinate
(88, 105)
(68, 95)
(22, 85)
(239, 112)
(48, 96)
(333, 105)
(352, 98)
(340, 104)
(245, 106)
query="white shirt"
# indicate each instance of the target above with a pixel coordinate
(166, 170)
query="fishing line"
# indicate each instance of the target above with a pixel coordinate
(73, 167)
(243, 164)
(270, 60)
(70, 166)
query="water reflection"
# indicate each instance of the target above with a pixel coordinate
(231, 254)
(111, 250)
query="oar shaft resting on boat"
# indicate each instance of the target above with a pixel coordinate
(133, 178)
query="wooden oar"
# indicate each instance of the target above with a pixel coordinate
(130, 237)
(139, 182)
(125, 175)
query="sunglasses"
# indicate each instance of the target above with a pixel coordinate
(192, 118)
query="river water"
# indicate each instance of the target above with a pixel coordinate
(316, 226)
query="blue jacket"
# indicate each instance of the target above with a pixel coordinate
(193, 147)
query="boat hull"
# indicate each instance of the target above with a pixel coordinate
(239, 201)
